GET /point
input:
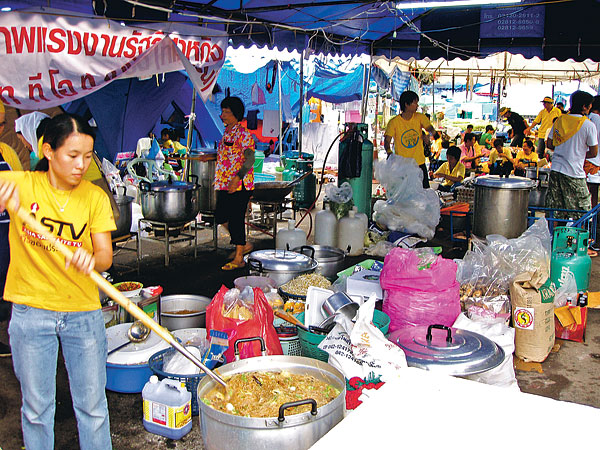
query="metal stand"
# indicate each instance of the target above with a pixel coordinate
(215, 227)
(166, 239)
(270, 211)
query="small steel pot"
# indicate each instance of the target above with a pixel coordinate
(124, 221)
(180, 302)
(280, 265)
(330, 259)
(172, 202)
(340, 303)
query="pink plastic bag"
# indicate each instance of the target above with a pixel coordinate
(419, 297)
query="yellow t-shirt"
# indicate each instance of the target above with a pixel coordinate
(523, 158)
(407, 136)
(545, 119)
(494, 155)
(458, 171)
(10, 156)
(36, 275)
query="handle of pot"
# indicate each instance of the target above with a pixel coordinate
(428, 337)
(255, 264)
(144, 186)
(236, 347)
(124, 190)
(307, 401)
(195, 179)
(310, 249)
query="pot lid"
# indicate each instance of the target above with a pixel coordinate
(134, 353)
(495, 181)
(168, 185)
(451, 351)
(323, 253)
(282, 260)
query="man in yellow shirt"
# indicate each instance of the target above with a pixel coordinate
(406, 131)
(544, 119)
(452, 171)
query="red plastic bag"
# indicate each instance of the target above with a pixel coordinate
(419, 297)
(259, 325)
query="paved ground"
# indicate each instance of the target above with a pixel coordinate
(571, 374)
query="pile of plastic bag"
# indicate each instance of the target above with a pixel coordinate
(340, 198)
(409, 207)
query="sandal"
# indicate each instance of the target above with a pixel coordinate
(592, 253)
(232, 266)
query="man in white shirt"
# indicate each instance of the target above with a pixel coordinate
(573, 138)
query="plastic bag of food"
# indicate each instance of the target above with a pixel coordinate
(229, 317)
(178, 364)
(418, 292)
(362, 353)
(340, 198)
(409, 207)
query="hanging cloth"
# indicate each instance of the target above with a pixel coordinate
(271, 85)
(257, 95)
(252, 119)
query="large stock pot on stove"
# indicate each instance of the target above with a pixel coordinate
(203, 164)
(170, 201)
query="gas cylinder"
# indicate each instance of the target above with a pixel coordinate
(291, 238)
(569, 254)
(305, 192)
(289, 172)
(326, 227)
(351, 234)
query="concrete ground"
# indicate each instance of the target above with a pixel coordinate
(571, 374)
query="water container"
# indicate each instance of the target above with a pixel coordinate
(362, 216)
(351, 234)
(569, 254)
(167, 408)
(326, 227)
(291, 238)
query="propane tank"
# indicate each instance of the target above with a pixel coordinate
(569, 254)
(291, 238)
(326, 227)
(351, 234)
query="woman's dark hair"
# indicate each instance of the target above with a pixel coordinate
(406, 98)
(596, 103)
(58, 129)
(236, 106)
(489, 128)
(454, 151)
(578, 100)
(469, 137)
(39, 132)
(167, 131)
(529, 143)
(498, 142)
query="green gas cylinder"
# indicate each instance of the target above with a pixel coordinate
(569, 254)
(361, 186)
(305, 192)
(289, 172)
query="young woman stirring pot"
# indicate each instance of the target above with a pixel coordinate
(54, 302)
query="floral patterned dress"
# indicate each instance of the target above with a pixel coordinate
(230, 157)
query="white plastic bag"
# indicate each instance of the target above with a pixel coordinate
(362, 353)
(567, 290)
(409, 207)
(112, 175)
(180, 365)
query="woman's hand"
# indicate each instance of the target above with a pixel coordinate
(233, 185)
(82, 261)
(8, 190)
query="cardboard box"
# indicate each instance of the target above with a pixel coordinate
(364, 283)
(533, 318)
(570, 323)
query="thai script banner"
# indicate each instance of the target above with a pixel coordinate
(48, 60)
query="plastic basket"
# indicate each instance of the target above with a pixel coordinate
(291, 346)
(309, 342)
(191, 381)
(264, 177)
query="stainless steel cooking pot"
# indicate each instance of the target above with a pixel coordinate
(169, 201)
(500, 205)
(537, 196)
(330, 259)
(447, 350)
(292, 432)
(280, 265)
(172, 305)
(124, 221)
(203, 165)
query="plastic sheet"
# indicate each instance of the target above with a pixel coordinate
(409, 207)
(418, 292)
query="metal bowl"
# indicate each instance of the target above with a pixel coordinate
(170, 304)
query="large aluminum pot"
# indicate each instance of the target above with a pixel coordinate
(124, 221)
(330, 259)
(297, 432)
(172, 202)
(203, 165)
(280, 265)
(500, 205)
(537, 196)
(172, 305)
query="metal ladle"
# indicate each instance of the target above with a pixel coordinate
(136, 333)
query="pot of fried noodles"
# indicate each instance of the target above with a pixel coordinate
(271, 400)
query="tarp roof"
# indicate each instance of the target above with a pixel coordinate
(559, 29)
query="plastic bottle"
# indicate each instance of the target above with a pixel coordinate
(362, 216)
(351, 234)
(167, 408)
(291, 238)
(326, 227)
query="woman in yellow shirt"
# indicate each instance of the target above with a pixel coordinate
(54, 302)
(452, 171)
(525, 158)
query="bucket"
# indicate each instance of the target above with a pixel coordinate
(167, 408)
(259, 158)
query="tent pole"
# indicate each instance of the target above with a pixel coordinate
(191, 119)
(433, 96)
(365, 99)
(280, 109)
(301, 102)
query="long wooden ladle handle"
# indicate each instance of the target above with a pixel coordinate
(111, 291)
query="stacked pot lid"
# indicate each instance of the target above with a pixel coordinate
(447, 350)
(134, 353)
(283, 260)
(498, 182)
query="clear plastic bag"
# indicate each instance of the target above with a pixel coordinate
(340, 198)
(567, 290)
(112, 175)
(409, 207)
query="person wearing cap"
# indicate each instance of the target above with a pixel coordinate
(518, 124)
(544, 119)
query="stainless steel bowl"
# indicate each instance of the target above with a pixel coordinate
(170, 304)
